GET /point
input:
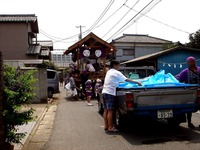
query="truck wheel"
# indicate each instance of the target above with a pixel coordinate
(173, 122)
(100, 108)
(119, 119)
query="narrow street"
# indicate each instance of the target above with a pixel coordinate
(80, 127)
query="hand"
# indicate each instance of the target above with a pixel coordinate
(133, 81)
(139, 83)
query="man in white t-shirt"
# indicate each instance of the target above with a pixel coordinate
(112, 80)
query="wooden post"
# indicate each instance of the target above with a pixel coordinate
(104, 65)
(78, 58)
(2, 125)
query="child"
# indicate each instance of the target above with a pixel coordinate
(88, 89)
(98, 86)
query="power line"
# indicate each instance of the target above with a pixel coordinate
(101, 16)
(159, 21)
(60, 41)
(111, 14)
(120, 19)
(91, 28)
(53, 37)
(131, 19)
(146, 11)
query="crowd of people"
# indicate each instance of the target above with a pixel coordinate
(87, 88)
(190, 75)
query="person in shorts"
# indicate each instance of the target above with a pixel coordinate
(112, 80)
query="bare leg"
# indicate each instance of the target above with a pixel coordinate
(105, 114)
(110, 118)
(88, 99)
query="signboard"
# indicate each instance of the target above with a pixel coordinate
(92, 53)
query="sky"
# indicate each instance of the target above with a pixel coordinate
(58, 20)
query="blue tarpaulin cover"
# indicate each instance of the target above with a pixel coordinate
(160, 79)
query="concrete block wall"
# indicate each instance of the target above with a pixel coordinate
(41, 83)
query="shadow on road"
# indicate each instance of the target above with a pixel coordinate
(154, 132)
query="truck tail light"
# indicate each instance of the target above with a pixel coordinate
(129, 100)
(129, 104)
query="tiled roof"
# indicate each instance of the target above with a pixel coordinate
(46, 44)
(139, 38)
(34, 50)
(160, 54)
(18, 18)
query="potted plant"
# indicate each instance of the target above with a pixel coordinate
(18, 93)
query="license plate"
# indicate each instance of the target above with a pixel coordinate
(165, 114)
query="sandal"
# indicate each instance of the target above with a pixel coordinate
(113, 130)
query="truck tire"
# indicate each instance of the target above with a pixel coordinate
(119, 119)
(173, 122)
(177, 120)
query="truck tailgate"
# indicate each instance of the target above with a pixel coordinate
(172, 96)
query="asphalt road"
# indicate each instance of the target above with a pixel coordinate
(80, 127)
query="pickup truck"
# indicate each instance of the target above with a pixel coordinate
(168, 102)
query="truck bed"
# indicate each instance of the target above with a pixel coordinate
(169, 96)
(147, 101)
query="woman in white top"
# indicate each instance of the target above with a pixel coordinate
(112, 80)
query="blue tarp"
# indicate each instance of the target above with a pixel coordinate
(160, 79)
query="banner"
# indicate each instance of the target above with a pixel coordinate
(92, 53)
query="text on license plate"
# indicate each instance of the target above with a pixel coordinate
(165, 113)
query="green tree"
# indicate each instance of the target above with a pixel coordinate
(194, 40)
(18, 92)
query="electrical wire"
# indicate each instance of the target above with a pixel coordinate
(120, 19)
(165, 24)
(112, 14)
(53, 37)
(101, 16)
(120, 29)
(85, 32)
(54, 40)
(138, 17)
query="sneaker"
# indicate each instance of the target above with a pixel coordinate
(198, 112)
(89, 104)
(191, 126)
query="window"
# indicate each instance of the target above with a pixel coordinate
(128, 52)
(51, 74)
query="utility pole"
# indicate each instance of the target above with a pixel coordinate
(80, 35)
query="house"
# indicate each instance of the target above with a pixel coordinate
(20, 47)
(171, 60)
(19, 37)
(131, 46)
